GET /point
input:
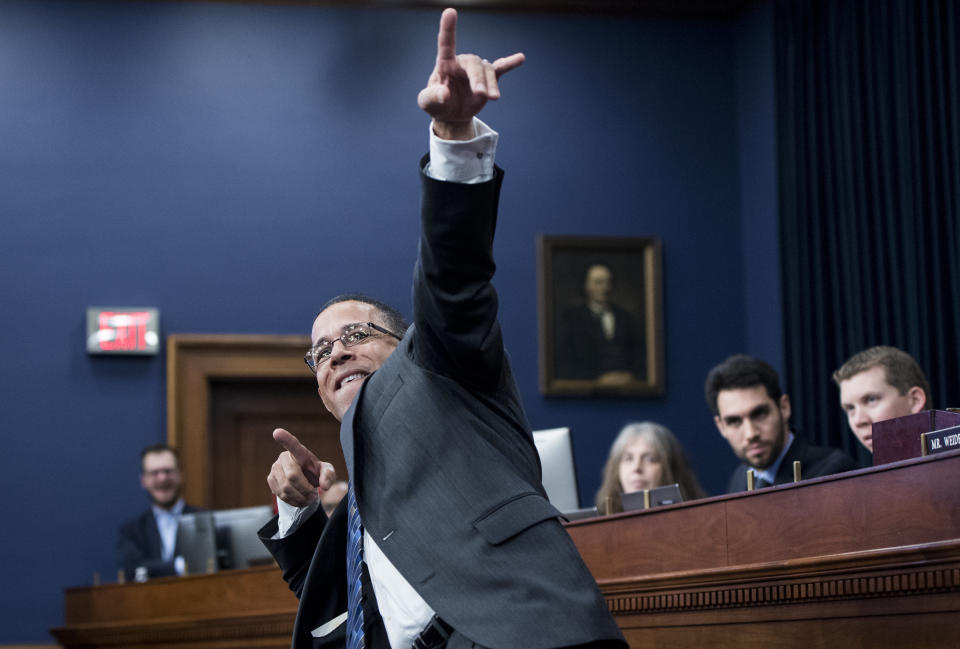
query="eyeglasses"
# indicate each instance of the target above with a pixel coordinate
(353, 334)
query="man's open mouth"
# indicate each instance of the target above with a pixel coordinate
(350, 378)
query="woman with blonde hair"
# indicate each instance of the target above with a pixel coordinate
(645, 455)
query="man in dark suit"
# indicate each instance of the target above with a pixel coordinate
(460, 546)
(599, 340)
(149, 540)
(753, 415)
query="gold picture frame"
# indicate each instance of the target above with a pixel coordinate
(600, 316)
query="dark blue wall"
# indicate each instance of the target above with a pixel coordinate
(758, 187)
(233, 165)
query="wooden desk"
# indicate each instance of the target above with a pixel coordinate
(869, 558)
(231, 609)
(864, 559)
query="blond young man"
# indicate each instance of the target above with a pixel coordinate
(880, 383)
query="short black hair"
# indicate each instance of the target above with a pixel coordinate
(392, 318)
(159, 448)
(740, 372)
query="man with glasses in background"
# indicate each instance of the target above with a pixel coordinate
(446, 537)
(146, 545)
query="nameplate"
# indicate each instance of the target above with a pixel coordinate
(648, 498)
(941, 441)
(899, 438)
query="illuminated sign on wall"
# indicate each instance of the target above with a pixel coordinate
(123, 330)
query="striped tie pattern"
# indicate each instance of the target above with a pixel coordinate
(355, 639)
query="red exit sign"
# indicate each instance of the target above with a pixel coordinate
(124, 330)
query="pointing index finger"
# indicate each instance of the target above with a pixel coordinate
(447, 38)
(300, 453)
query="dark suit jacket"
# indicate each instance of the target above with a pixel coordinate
(444, 467)
(139, 544)
(583, 352)
(815, 461)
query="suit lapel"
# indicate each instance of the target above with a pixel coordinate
(797, 451)
(324, 595)
(376, 394)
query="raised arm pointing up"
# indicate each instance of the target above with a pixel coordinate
(460, 84)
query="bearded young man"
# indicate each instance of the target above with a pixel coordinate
(753, 415)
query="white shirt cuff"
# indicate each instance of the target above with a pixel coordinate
(289, 518)
(463, 161)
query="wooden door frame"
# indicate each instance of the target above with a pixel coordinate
(193, 361)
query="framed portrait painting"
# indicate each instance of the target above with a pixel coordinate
(601, 316)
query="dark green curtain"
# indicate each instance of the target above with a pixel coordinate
(868, 101)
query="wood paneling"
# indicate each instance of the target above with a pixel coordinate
(197, 362)
(243, 415)
(233, 609)
(869, 558)
(900, 504)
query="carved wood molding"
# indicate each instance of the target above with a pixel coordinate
(798, 592)
(247, 631)
(901, 572)
(193, 361)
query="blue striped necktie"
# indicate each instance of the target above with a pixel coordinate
(355, 639)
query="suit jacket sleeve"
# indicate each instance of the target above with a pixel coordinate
(294, 552)
(455, 304)
(136, 548)
(834, 461)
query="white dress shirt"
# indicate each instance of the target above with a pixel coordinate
(168, 520)
(607, 319)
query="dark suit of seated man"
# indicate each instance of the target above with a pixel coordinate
(753, 415)
(451, 539)
(149, 540)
